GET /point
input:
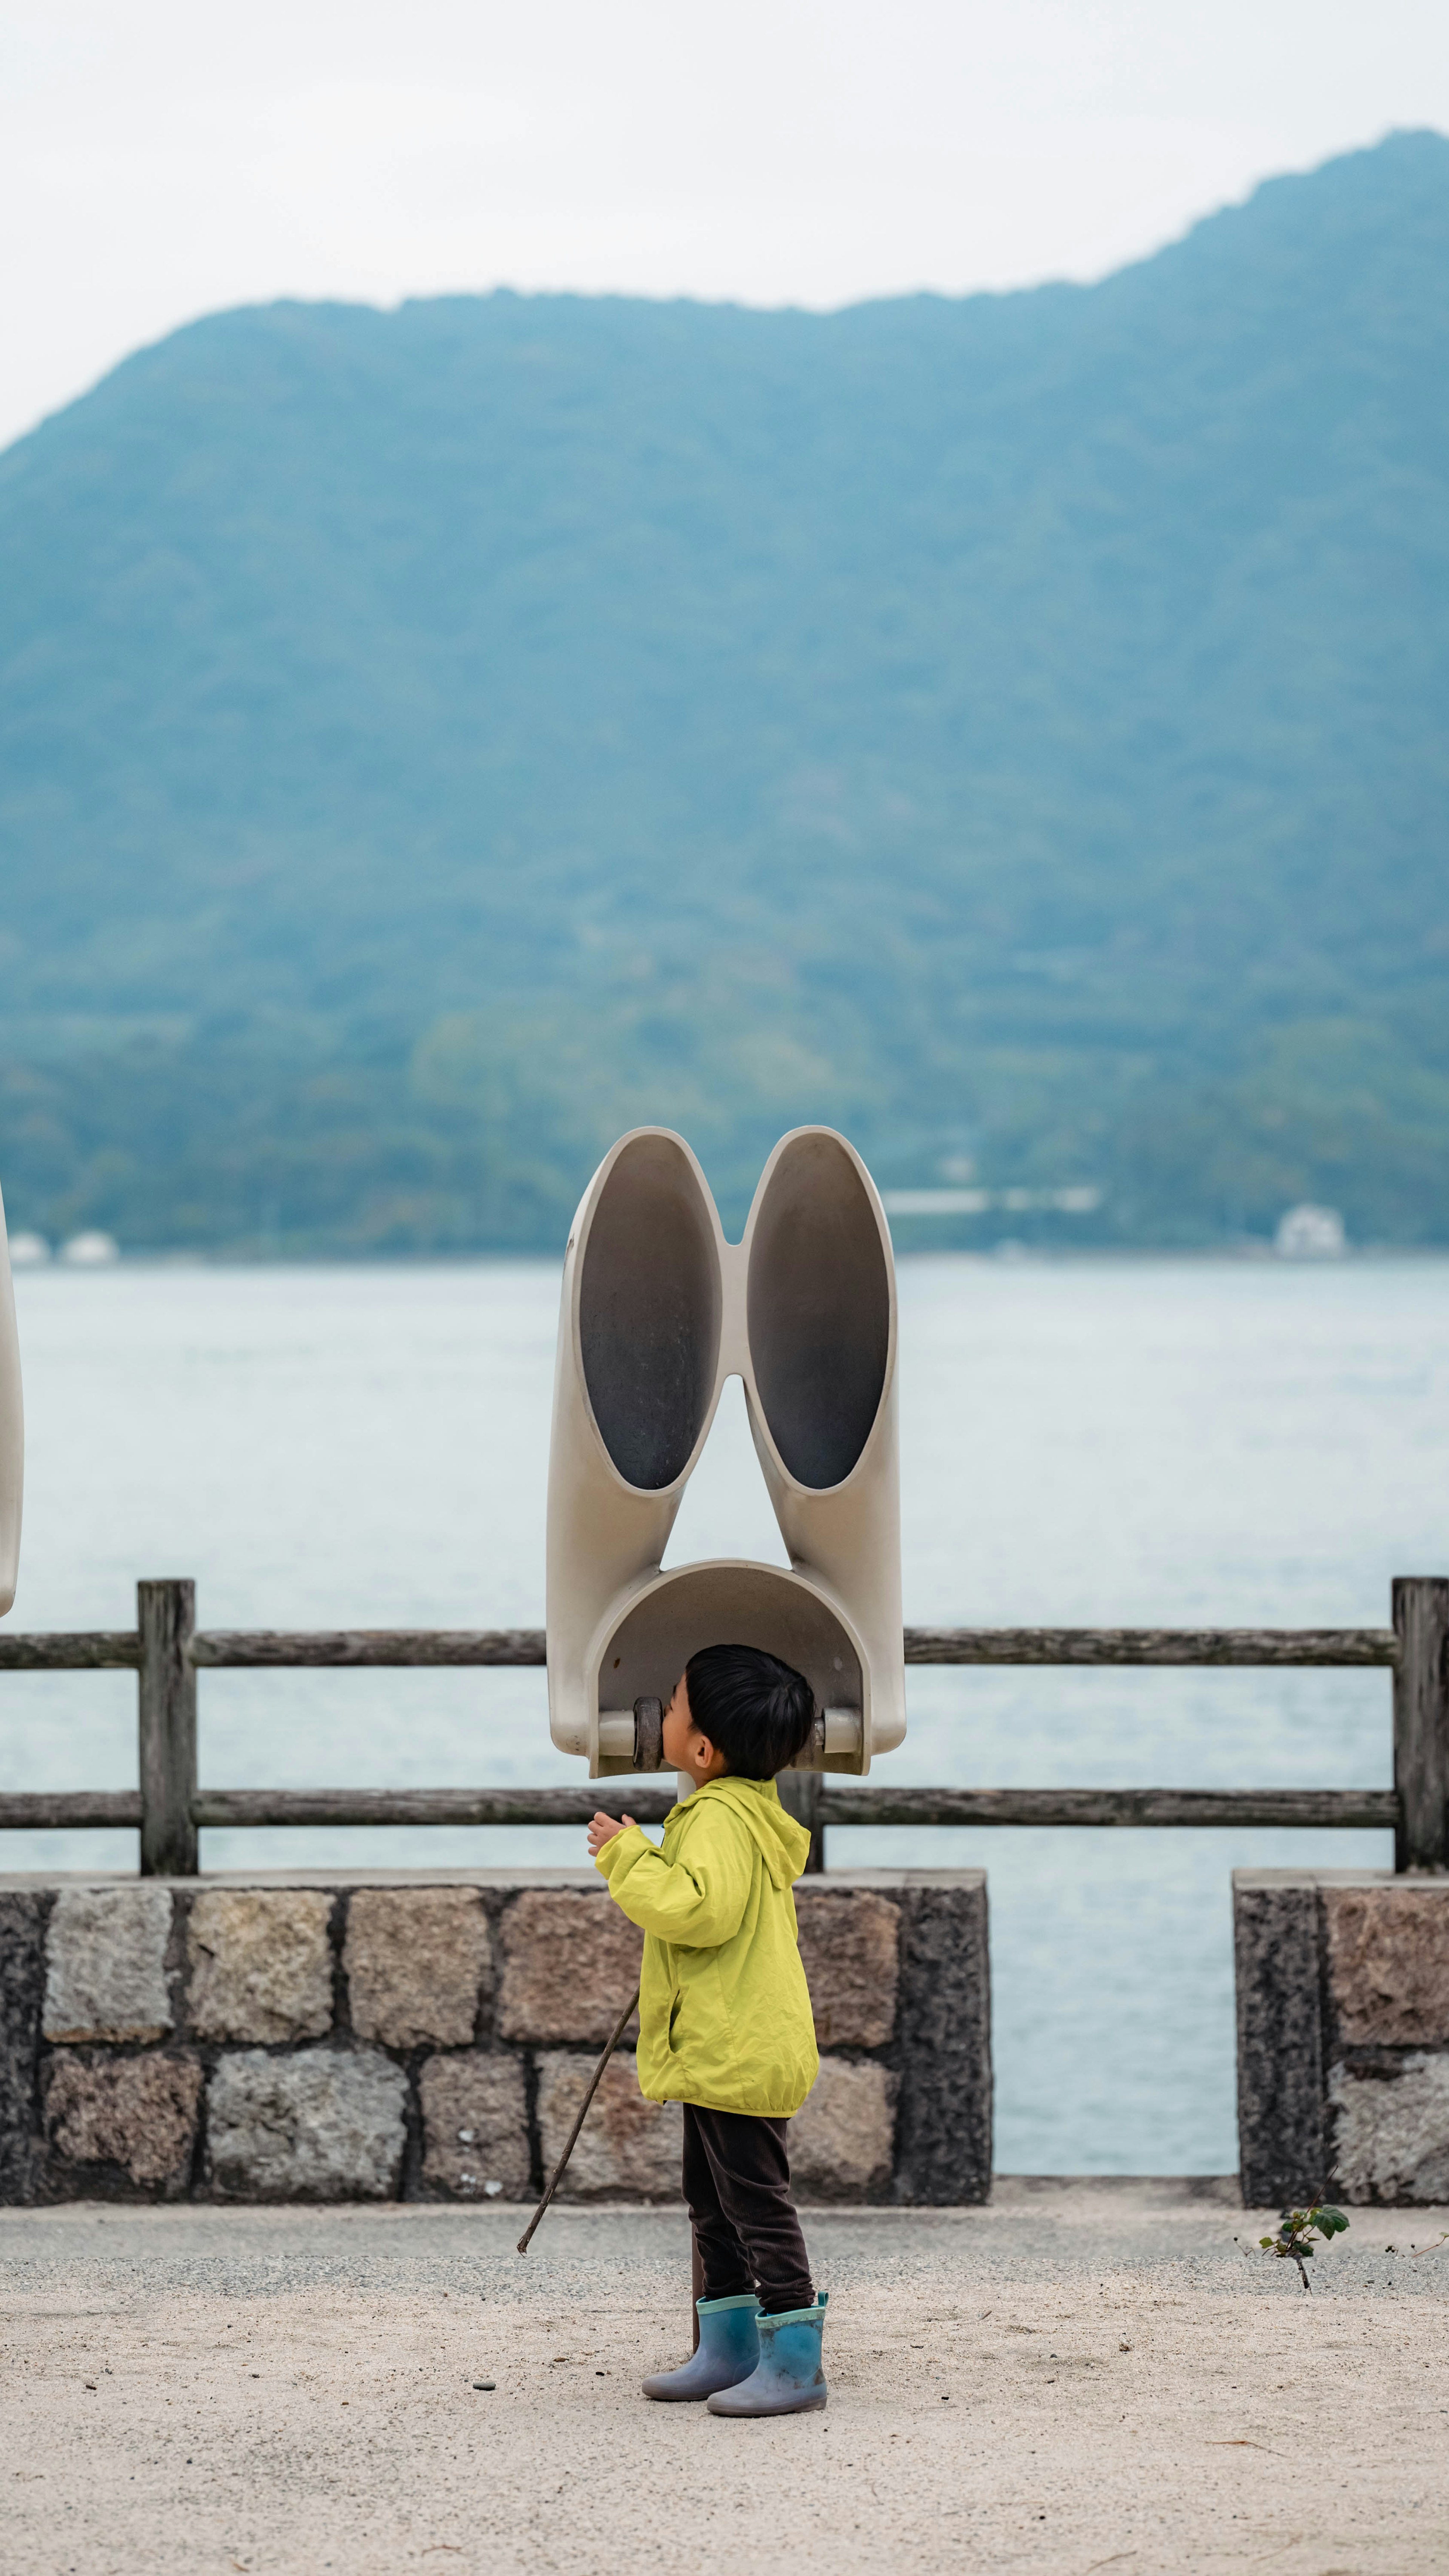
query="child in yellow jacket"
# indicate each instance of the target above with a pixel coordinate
(725, 2025)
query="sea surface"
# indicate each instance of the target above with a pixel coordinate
(1095, 1442)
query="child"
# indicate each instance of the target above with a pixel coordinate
(725, 2025)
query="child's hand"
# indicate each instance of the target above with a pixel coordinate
(603, 1830)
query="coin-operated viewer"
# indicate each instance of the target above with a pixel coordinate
(727, 1672)
(12, 1431)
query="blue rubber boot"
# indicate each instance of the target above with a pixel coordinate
(789, 2378)
(729, 2349)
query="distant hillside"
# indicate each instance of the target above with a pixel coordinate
(1015, 728)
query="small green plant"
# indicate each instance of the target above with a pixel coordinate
(1293, 2242)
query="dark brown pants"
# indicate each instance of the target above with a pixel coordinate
(737, 2184)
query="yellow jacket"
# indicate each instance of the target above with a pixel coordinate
(724, 2010)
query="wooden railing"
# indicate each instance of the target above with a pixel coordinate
(166, 1650)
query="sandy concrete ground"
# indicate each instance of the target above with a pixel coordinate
(1084, 2377)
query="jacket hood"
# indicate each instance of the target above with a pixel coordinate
(784, 1844)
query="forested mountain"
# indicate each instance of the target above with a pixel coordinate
(1014, 728)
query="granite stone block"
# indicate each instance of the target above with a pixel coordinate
(629, 2149)
(850, 1944)
(570, 1962)
(1391, 2132)
(418, 1960)
(322, 2125)
(841, 2139)
(106, 1963)
(1388, 1962)
(475, 2126)
(22, 1987)
(261, 1965)
(1282, 2140)
(942, 2046)
(135, 2112)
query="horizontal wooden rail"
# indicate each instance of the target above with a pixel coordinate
(1244, 1646)
(34, 1811)
(86, 1650)
(240, 1649)
(571, 1806)
(1351, 1810)
(275, 1649)
(839, 1803)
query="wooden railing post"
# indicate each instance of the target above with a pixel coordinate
(166, 1701)
(800, 1798)
(1421, 1721)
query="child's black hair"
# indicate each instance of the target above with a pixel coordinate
(755, 1710)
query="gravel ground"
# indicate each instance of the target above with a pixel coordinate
(1084, 2376)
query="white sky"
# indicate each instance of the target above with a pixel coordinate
(162, 158)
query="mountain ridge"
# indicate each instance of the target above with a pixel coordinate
(1009, 726)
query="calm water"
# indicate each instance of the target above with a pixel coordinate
(1096, 1443)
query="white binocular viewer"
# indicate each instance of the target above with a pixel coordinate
(12, 1431)
(658, 1310)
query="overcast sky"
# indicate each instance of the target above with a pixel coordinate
(162, 158)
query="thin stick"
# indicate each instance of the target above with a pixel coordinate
(556, 2177)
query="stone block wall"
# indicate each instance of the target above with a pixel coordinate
(1343, 2035)
(429, 2036)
